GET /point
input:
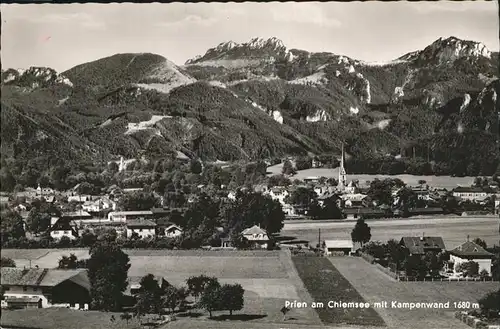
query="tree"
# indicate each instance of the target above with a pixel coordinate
(195, 167)
(361, 232)
(149, 298)
(406, 199)
(396, 252)
(421, 182)
(329, 210)
(37, 221)
(288, 168)
(303, 197)
(490, 304)
(174, 297)
(469, 269)
(7, 262)
(88, 238)
(415, 266)
(303, 163)
(484, 274)
(197, 284)
(252, 208)
(433, 264)
(381, 191)
(68, 262)
(231, 297)
(12, 225)
(278, 180)
(480, 242)
(138, 201)
(7, 180)
(107, 270)
(210, 299)
(125, 316)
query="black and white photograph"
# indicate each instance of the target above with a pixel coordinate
(253, 165)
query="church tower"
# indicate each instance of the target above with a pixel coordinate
(342, 174)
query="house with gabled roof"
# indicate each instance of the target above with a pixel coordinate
(37, 287)
(256, 236)
(420, 245)
(143, 227)
(470, 251)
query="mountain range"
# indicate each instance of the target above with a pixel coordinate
(259, 99)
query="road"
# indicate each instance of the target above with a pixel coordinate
(453, 230)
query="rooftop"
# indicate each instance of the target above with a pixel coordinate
(419, 244)
(140, 223)
(471, 249)
(13, 276)
(333, 244)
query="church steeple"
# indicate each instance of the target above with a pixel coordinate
(342, 174)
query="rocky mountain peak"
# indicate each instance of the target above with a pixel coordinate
(34, 77)
(256, 48)
(448, 50)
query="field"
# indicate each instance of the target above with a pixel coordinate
(376, 286)
(62, 318)
(325, 283)
(454, 231)
(447, 182)
(267, 277)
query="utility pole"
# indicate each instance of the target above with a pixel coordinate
(319, 238)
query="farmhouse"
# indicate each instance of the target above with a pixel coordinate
(143, 227)
(336, 247)
(62, 226)
(123, 216)
(420, 245)
(34, 287)
(470, 251)
(256, 236)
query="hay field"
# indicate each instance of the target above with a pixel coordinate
(267, 277)
(376, 286)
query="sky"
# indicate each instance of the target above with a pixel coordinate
(61, 36)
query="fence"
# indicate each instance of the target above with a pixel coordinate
(370, 259)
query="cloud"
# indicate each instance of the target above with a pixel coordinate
(79, 18)
(190, 20)
(302, 13)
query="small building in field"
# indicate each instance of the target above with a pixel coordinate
(256, 236)
(134, 286)
(420, 245)
(143, 227)
(338, 247)
(470, 251)
(39, 288)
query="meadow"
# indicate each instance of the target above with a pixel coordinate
(267, 277)
(447, 182)
(325, 283)
(376, 286)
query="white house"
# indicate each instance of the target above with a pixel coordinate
(172, 231)
(279, 194)
(63, 226)
(470, 251)
(143, 227)
(338, 247)
(256, 236)
(123, 216)
(99, 205)
(38, 288)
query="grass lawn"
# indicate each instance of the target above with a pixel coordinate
(63, 318)
(324, 284)
(376, 286)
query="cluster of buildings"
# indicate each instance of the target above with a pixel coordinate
(420, 245)
(354, 202)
